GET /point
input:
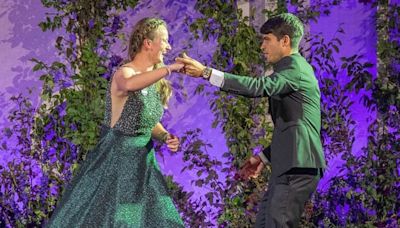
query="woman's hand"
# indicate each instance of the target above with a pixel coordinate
(177, 66)
(172, 142)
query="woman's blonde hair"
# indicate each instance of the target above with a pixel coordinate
(146, 28)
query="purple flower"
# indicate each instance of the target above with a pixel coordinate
(53, 159)
(62, 109)
(57, 76)
(48, 126)
(72, 38)
(73, 127)
(64, 1)
(74, 15)
(115, 60)
(103, 54)
(44, 180)
(66, 84)
(91, 23)
(116, 24)
(106, 75)
(52, 152)
(50, 135)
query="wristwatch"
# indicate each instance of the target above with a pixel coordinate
(206, 73)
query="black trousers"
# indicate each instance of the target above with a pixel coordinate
(283, 203)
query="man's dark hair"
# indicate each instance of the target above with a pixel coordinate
(285, 24)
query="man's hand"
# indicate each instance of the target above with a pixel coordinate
(192, 67)
(252, 168)
(172, 142)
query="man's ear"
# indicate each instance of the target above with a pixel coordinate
(286, 41)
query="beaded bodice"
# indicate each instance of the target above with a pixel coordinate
(141, 112)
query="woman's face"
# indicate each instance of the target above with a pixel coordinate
(159, 45)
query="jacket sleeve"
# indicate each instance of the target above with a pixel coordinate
(281, 82)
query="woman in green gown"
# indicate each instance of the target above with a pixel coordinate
(120, 183)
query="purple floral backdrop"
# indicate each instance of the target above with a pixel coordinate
(21, 39)
(357, 21)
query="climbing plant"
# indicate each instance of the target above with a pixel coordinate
(52, 139)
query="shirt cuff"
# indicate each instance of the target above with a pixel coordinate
(217, 78)
(264, 159)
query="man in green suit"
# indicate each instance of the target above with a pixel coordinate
(295, 152)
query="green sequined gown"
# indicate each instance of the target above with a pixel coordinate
(120, 183)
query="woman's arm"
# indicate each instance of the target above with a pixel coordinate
(159, 133)
(126, 82)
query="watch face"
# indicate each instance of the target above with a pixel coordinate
(206, 73)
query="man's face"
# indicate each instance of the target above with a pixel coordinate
(160, 45)
(272, 48)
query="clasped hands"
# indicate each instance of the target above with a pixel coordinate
(191, 66)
